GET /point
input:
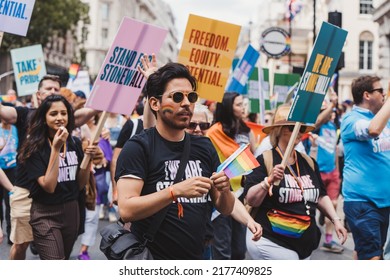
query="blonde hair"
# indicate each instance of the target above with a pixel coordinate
(199, 108)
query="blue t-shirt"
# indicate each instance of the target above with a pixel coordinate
(367, 159)
(327, 141)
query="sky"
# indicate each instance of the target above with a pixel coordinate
(238, 12)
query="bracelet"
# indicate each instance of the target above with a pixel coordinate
(180, 209)
(171, 193)
(335, 219)
(266, 182)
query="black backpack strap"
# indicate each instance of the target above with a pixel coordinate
(159, 217)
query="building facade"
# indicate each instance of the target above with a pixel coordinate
(382, 17)
(367, 47)
(106, 16)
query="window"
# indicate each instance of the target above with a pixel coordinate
(105, 11)
(366, 7)
(104, 33)
(365, 51)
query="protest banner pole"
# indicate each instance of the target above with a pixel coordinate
(95, 138)
(290, 147)
(1, 37)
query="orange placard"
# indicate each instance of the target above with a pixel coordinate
(207, 50)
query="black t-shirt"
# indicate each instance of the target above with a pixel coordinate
(67, 188)
(22, 122)
(287, 197)
(126, 130)
(155, 160)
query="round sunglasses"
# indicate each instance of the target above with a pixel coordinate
(202, 125)
(178, 96)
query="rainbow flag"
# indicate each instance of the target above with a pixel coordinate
(73, 70)
(241, 162)
(7, 98)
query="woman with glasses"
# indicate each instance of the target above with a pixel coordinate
(227, 134)
(287, 210)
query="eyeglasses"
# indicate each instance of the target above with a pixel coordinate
(302, 129)
(178, 96)
(202, 125)
(380, 90)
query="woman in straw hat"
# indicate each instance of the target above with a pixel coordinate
(287, 211)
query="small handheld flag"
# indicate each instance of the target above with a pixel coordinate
(241, 162)
(73, 70)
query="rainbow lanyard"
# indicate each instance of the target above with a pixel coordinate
(296, 177)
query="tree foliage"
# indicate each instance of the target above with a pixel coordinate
(49, 19)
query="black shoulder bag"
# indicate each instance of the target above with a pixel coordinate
(118, 243)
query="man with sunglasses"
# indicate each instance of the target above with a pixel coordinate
(148, 164)
(365, 132)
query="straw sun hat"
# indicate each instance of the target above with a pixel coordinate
(280, 119)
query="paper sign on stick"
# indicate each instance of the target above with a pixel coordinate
(207, 50)
(15, 16)
(282, 85)
(81, 82)
(318, 73)
(119, 83)
(29, 68)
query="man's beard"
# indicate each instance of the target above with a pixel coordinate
(169, 120)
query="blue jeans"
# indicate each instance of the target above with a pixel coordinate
(369, 225)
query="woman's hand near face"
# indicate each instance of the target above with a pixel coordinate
(60, 138)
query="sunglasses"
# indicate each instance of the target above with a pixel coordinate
(178, 96)
(202, 125)
(380, 90)
(302, 129)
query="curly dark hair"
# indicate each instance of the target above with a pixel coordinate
(38, 131)
(224, 114)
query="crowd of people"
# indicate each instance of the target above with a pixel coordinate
(51, 200)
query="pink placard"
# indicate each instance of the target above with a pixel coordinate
(119, 83)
